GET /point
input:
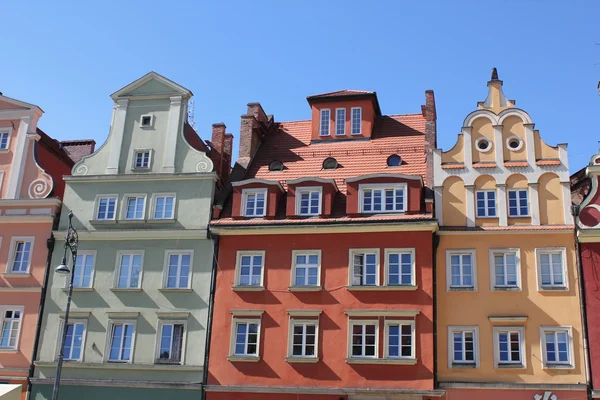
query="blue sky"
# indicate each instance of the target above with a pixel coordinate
(69, 56)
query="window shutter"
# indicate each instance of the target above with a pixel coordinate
(357, 269)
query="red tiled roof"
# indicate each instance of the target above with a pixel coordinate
(515, 163)
(453, 166)
(484, 165)
(548, 162)
(340, 93)
(509, 228)
(341, 219)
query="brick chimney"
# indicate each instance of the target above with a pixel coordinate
(227, 149)
(254, 124)
(218, 146)
(430, 115)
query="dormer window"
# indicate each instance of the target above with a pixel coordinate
(330, 163)
(382, 198)
(356, 120)
(276, 165)
(146, 121)
(308, 201)
(142, 159)
(324, 124)
(340, 121)
(394, 160)
(254, 202)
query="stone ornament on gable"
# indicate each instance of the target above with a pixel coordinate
(204, 165)
(81, 170)
(40, 188)
(546, 396)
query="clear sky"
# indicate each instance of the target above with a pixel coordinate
(69, 56)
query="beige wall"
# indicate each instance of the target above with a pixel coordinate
(542, 150)
(551, 202)
(482, 127)
(513, 126)
(455, 154)
(454, 202)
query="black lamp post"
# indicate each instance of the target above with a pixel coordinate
(71, 243)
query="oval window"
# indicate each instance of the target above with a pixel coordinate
(276, 166)
(394, 160)
(514, 143)
(483, 145)
(330, 163)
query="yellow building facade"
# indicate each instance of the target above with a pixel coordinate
(508, 306)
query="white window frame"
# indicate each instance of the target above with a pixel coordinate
(296, 253)
(487, 209)
(97, 206)
(3, 311)
(153, 200)
(232, 341)
(461, 252)
(552, 250)
(321, 112)
(245, 193)
(351, 323)
(351, 254)
(352, 121)
(168, 254)
(302, 321)
(72, 321)
(109, 331)
(386, 338)
(151, 121)
(337, 122)
(557, 364)
(121, 253)
(8, 131)
(400, 251)
(84, 254)
(509, 364)
(238, 267)
(497, 288)
(452, 363)
(383, 187)
(135, 155)
(309, 190)
(12, 253)
(517, 191)
(125, 205)
(159, 327)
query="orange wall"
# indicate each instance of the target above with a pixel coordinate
(275, 300)
(368, 118)
(499, 394)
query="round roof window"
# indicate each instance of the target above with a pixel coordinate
(276, 166)
(483, 144)
(514, 143)
(394, 160)
(330, 163)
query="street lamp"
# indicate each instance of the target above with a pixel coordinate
(71, 243)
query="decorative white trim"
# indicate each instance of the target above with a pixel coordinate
(570, 364)
(309, 190)
(121, 93)
(400, 251)
(254, 191)
(40, 188)
(482, 139)
(513, 319)
(304, 313)
(247, 313)
(461, 252)
(140, 177)
(511, 138)
(116, 137)
(296, 253)
(174, 315)
(387, 176)
(493, 286)
(513, 365)
(180, 253)
(174, 125)
(261, 181)
(15, 179)
(312, 179)
(238, 266)
(382, 313)
(463, 364)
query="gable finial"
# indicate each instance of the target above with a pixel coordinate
(494, 74)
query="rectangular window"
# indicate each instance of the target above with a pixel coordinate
(21, 257)
(486, 203)
(364, 267)
(11, 327)
(171, 343)
(121, 342)
(383, 198)
(506, 269)
(136, 206)
(306, 268)
(246, 338)
(400, 339)
(308, 201)
(304, 339)
(84, 269)
(557, 346)
(142, 159)
(73, 350)
(551, 268)
(509, 345)
(255, 202)
(363, 340)
(178, 270)
(130, 270)
(250, 269)
(460, 269)
(356, 120)
(4, 140)
(400, 266)
(324, 123)
(106, 208)
(463, 345)
(164, 207)
(340, 121)
(518, 206)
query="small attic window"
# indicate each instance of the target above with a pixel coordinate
(483, 145)
(276, 165)
(394, 160)
(330, 163)
(146, 121)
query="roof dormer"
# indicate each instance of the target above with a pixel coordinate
(310, 197)
(345, 114)
(256, 198)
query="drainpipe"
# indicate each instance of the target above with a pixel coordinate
(436, 243)
(581, 286)
(38, 327)
(211, 301)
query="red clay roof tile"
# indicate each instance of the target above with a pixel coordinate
(484, 165)
(453, 166)
(515, 164)
(347, 92)
(548, 162)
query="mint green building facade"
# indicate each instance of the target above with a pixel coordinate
(141, 207)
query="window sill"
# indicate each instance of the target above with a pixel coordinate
(558, 366)
(3, 150)
(302, 360)
(141, 169)
(175, 290)
(367, 360)
(380, 288)
(161, 221)
(131, 221)
(554, 289)
(247, 288)
(243, 358)
(461, 289)
(125, 290)
(486, 217)
(463, 366)
(510, 366)
(79, 289)
(9, 351)
(305, 288)
(506, 289)
(103, 221)
(16, 275)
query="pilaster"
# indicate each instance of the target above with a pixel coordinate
(470, 205)
(498, 146)
(534, 203)
(116, 137)
(529, 144)
(170, 147)
(468, 147)
(501, 201)
(566, 196)
(437, 195)
(17, 168)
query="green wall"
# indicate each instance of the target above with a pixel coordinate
(67, 392)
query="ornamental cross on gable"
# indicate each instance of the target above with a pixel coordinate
(546, 396)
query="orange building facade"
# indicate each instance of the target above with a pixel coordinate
(508, 306)
(31, 169)
(324, 279)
